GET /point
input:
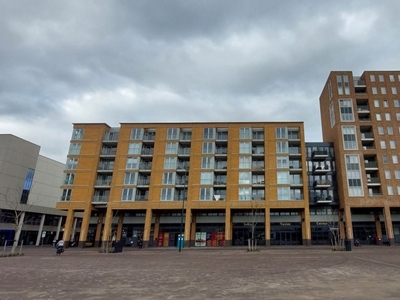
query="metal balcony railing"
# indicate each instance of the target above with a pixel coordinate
(97, 198)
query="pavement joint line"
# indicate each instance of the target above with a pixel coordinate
(378, 262)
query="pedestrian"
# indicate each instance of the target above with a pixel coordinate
(54, 242)
(140, 243)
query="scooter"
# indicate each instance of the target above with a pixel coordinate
(60, 249)
(357, 243)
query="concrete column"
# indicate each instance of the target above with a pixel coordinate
(73, 230)
(188, 224)
(84, 227)
(228, 227)
(267, 232)
(98, 230)
(68, 227)
(119, 227)
(156, 229)
(107, 226)
(147, 227)
(193, 230)
(39, 236)
(389, 225)
(378, 225)
(59, 228)
(306, 226)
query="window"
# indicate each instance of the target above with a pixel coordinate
(346, 85)
(167, 194)
(69, 178)
(394, 90)
(398, 117)
(282, 162)
(168, 178)
(383, 144)
(130, 178)
(132, 163)
(171, 148)
(172, 133)
(392, 144)
(339, 84)
(282, 147)
(245, 162)
(381, 79)
(396, 103)
(380, 130)
(207, 162)
(391, 78)
(208, 133)
(395, 159)
(332, 114)
(378, 117)
(398, 190)
(372, 78)
(208, 148)
(283, 193)
(282, 177)
(385, 159)
(383, 90)
(244, 193)
(128, 194)
(206, 194)
(136, 134)
(72, 163)
(385, 103)
(346, 110)
(281, 133)
(206, 178)
(134, 148)
(77, 134)
(330, 90)
(353, 175)
(387, 116)
(397, 174)
(245, 133)
(390, 190)
(349, 138)
(376, 103)
(245, 147)
(66, 195)
(170, 162)
(374, 90)
(244, 177)
(74, 149)
(387, 174)
(390, 130)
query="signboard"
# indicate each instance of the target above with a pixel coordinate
(43, 234)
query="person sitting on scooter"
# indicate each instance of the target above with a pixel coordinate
(60, 245)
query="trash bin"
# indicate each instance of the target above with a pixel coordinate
(181, 242)
(347, 245)
(117, 247)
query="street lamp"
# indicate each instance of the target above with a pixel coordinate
(181, 239)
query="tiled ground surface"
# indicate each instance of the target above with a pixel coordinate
(369, 272)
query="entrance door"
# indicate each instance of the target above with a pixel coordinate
(286, 238)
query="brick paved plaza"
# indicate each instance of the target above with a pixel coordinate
(368, 272)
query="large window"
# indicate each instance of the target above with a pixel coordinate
(77, 134)
(332, 114)
(128, 194)
(206, 194)
(171, 148)
(72, 163)
(134, 148)
(282, 147)
(244, 193)
(281, 133)
(245, 148)
(66, 195)
(244, 177)
(136, 134)
(245, 162)
(282, 177)
(282, 162)
(346, 110)
(208, 148)
(245, 133)
(349, 138)
(173, 133)
(132, 163)
(170, 162)
(130, 178)
(167, 194)
(207, 162)
(353, 175)
(168, 178)
(208, 133)
(283, 193)
(74, 149)
(206, 178)
(69, 178)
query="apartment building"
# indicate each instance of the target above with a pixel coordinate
(213, 182)
(360, 115)
(29, 190)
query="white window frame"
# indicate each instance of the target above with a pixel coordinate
(245, 194)
(170, 163)
(207, 162)
(172, 133)
(168, 178)
(206, 194)
(167, 194)
(245, 162)
(137, 134)
(206, 178)
(245, 133)
(134, 148)
(130, 178)
(245, 147)
(244, 177)
(128, 194)
(208, 148)
(132, 163)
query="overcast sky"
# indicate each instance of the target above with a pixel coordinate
(64, 62)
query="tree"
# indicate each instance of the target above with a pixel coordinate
(333, 225)
(255, 218)
(106, 245)
(15, 211)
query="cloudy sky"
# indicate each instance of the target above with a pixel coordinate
(64, 62)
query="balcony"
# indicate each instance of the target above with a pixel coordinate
(322, 183)
(220, 182)
(294, 151)
(321, 170)
(371, 165)
(221, 136)
(258, 198)
(323, 199)
(105, 167)
(145, 166)
(149, 136)
(141, 198)
(294, 136)
(368, 147)
(367, 136)
(102, 183)
(221, 151)
(143, 181)
(97, 199)
(319, 155)
(296, 183)
(183, 151)
(147, 151)
(373, 181)
(105, 151)
(111, 137)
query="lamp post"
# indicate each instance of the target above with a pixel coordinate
(183, 206)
